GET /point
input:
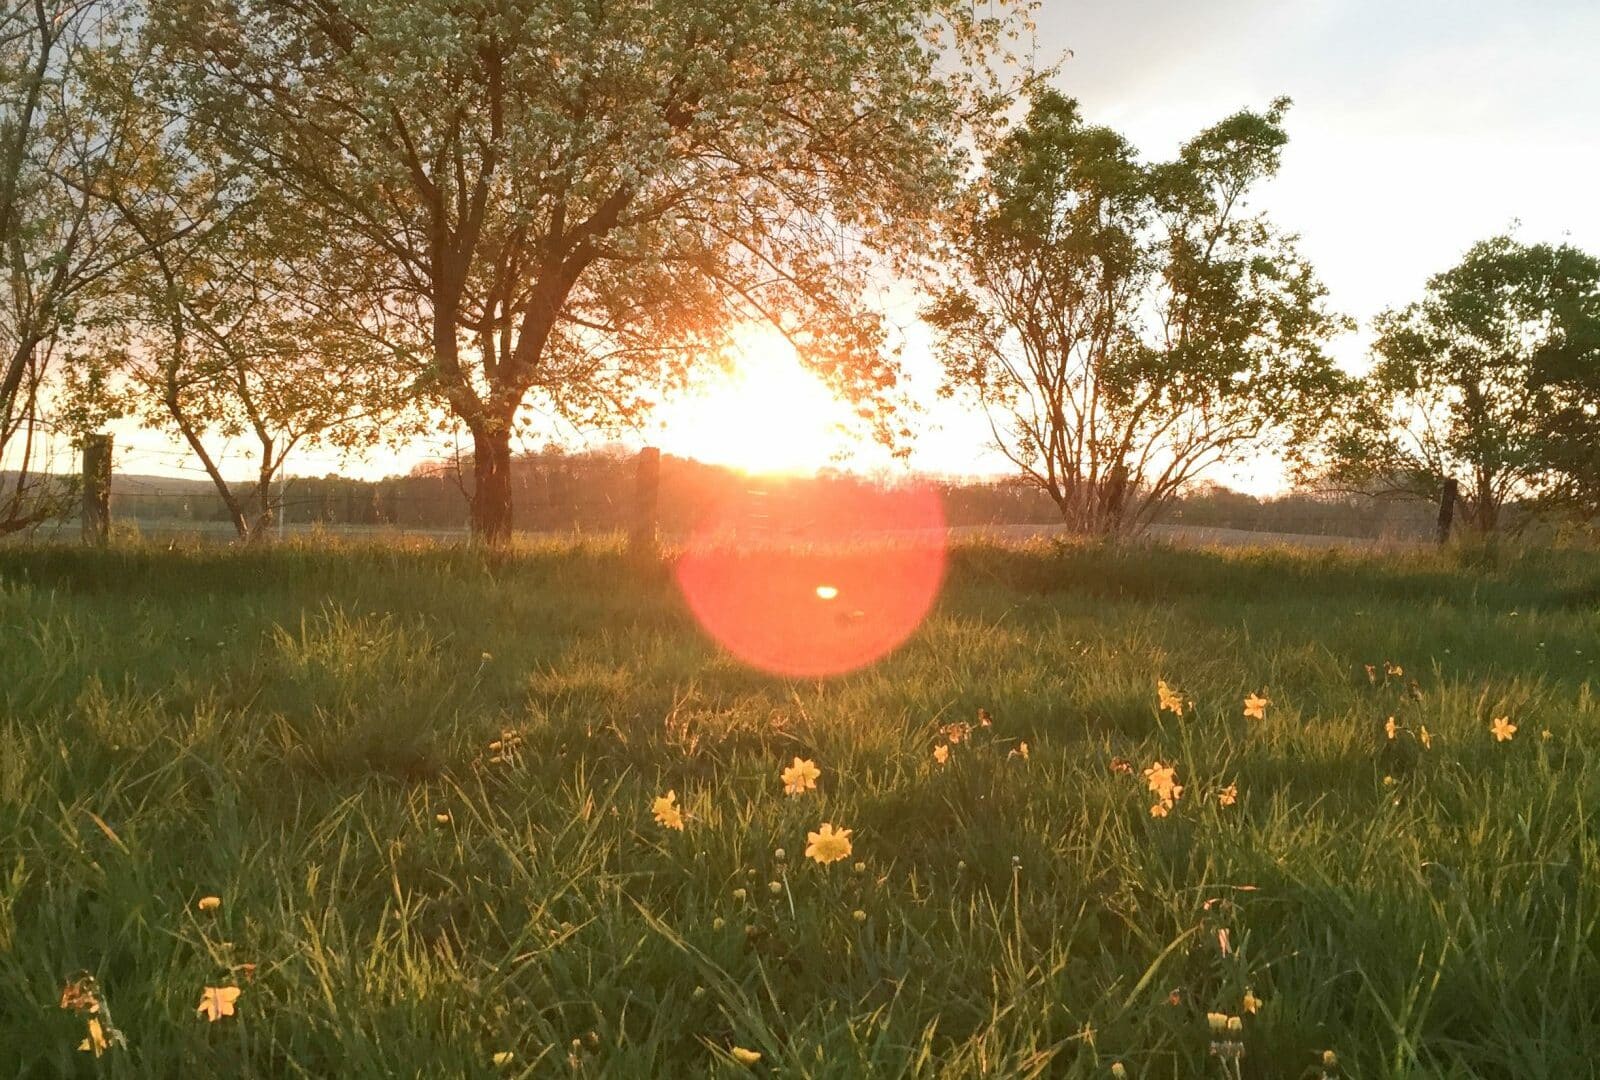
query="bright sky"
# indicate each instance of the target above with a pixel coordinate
(1418, 128)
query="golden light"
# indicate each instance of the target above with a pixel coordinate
(765, 414)
(826, 592)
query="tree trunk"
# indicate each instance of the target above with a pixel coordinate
(1488, 510)
(491, 487)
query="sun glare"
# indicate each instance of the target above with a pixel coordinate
(765, 414)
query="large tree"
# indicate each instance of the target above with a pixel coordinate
(1480, 385)
(570, 201)
(67, 139)
(1125, 326)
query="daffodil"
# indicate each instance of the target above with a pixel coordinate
(1171, 700)
(1255, 707)
(828, 845)
(1228, 795)
(941, 754)
(665, 811)
(800, 777)
(217, 1002)
(1502, 729)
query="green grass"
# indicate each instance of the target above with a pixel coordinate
(280, 728)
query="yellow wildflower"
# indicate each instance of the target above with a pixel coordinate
(1020, 751)
(1390, 728)
(96, 1040)
(1250, 1003)
(800, 777)
(941, 754)
(1502, 729)
(1171, 700)
(828, 845)
(1255, 707)
(502, 1058)
(217, 1002)
(666, 812)
(1228, 795)
(209, 903)
(1163, 781)
(1424, 738)
(1161, 809)
(745, 1057)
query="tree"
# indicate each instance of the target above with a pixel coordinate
(1126, 326)
(572, 201)
(1483, 382)
(235, 331)
(64, 142)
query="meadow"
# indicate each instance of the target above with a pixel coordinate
(421, 786)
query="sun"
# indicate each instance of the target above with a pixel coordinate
(764, 414)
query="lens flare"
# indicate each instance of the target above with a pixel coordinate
(810, 584)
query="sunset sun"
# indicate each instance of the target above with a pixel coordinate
(762, 413)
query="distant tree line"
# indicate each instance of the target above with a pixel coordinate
(593, 492)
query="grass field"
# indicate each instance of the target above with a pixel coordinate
(421, 785)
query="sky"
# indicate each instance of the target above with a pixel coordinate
(1419, 127)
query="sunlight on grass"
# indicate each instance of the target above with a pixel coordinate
(376, 812)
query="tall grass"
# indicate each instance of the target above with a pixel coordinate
(420, 781)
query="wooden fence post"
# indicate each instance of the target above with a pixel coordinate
(1447, 510)
(646, 496)
(96, 489)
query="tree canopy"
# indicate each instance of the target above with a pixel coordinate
(1491, 380)
(562, 204)
(1125, 325)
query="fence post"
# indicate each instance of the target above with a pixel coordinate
(1447, 510)
(96, 489)
(646, 494)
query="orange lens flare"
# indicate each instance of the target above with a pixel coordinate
(810, 585)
